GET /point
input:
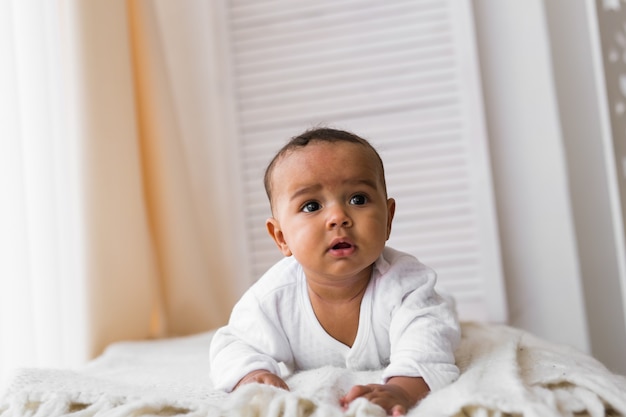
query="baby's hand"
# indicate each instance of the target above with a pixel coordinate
(262, 376)
(396, 397)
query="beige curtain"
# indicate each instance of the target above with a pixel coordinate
(157, 186)
(145, 154)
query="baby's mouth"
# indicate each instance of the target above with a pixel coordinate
(342, 245)
(341, 248)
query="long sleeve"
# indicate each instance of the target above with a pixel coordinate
(251, 341)
(423, 331)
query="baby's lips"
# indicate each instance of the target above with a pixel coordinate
(340, 243)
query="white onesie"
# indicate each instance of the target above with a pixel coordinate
(405, 327)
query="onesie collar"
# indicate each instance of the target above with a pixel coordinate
(381, 265)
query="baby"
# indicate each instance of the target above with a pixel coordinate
(340, 296)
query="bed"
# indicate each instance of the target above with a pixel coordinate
(504, 372)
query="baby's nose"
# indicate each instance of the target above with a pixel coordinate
(339, 218)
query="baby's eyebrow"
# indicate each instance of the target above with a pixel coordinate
(367, 182)
(304, 190)
(308, 189)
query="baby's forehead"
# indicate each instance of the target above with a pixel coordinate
(322, 155)
(362, 153)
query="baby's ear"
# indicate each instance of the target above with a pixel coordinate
(391, 210)
(273, 228)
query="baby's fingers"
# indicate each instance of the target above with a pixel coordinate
(263, 377)
(397, 411)
(389, 398)
(354, 393)
(276, 381)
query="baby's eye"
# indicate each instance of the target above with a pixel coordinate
(310, 207)
(358, 200)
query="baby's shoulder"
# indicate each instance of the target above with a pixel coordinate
(281, 278)
(400, 272)
(272, 295)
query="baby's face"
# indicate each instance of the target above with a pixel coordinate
(330, 209)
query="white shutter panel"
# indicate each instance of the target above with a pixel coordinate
(402, 74)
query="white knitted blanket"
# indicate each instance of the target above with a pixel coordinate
(504, 372)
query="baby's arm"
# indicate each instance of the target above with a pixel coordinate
(423, 334)
(249, 344)
(396, 397)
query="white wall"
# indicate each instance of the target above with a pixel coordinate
(593, 177)
(555, 174)
(537, 233)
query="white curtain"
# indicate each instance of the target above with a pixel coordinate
(116, 220)
(41, 250)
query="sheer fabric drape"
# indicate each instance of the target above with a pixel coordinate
(116, 218)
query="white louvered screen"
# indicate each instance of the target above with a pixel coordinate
(402, 74)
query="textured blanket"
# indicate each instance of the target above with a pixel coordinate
(504, 372)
